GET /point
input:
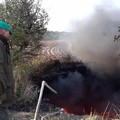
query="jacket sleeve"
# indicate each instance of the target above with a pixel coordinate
(3, 86)
(1, 61)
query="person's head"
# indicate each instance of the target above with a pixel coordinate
(5, 30)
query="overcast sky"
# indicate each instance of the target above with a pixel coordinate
(63, 13)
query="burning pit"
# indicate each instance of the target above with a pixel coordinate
(80, 89)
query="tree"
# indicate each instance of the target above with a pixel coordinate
(117, 37)
(28, 21)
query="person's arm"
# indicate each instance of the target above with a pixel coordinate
(2, 75)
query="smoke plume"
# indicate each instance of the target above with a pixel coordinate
(93, 43)
(90, 85)
(93, 40)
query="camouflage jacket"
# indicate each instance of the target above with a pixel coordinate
(6, 75)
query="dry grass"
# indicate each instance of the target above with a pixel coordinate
(63, 116)
(30, 116)
(21, 116)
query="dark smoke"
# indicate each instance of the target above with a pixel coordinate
(93, 43)
(80, 90)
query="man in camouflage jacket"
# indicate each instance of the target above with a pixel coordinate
(6, 72)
